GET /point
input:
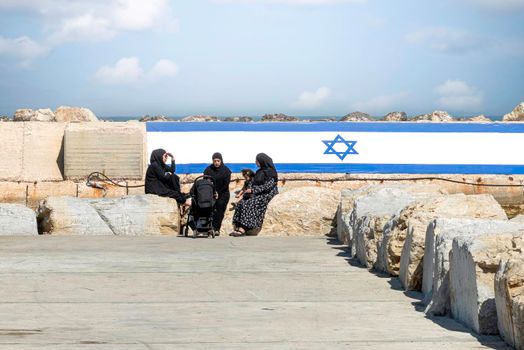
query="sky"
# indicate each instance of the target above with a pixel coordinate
(252, 57)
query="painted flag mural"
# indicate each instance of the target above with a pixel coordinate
(333, 147)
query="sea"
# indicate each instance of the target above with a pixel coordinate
(257, 118)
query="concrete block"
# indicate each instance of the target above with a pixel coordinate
(43, 156)
(41, 190)
(439, 240)
(406, 244)
(509, 298)
(13, 192)
(134, 191)
(17, 220)
(11, 151)
(474, 261)
(114, 149)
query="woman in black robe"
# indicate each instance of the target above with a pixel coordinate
(249, 213)
(161, 178)
(222, 177)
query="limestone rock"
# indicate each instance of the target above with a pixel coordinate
(302, 211)
(373, 211)
(459, 206)
(4, 118)
(518, 218)
(480, 119)
(17, 220)
(474, 261)
(144, 215)
(509, 299)
(436, 117)
(356, 117)
(439, 240)
(238, 119)
(517, 115)
(70, 216)
(74, 114)
(200, 118)
(345, 207)
(278, 117)
(395, 117)
(156, 118)
(131, 215)
(29, 115)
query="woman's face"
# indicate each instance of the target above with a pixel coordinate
(164, 158)
(217, 162)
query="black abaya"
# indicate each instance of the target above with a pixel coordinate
(221, 178)
(161, 178)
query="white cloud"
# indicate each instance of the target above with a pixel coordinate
(383, 103)
(128, 71)
(291, 2)
(93, 20)
(446, 40)
(458, 95)
(23, 48)
(313, 99)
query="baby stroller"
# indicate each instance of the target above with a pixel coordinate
(200, 215)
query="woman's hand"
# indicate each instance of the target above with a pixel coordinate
(249, 190)
(187, 202)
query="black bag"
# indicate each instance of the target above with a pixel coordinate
(205, 193)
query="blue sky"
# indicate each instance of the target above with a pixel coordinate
(250, 57)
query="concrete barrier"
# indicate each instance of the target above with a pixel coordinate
(114, 149)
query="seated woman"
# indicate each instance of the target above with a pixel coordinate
(161, 178)
(249, 213)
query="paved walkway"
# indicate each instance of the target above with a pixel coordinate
(175, 293)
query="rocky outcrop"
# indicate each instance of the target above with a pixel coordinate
(74, 114)
(279, 117)
(302, 211)
(509, 299)
(345, 207)
(517, 115)
(29, 115)
(4, 118)
(200, 119)
(395, 117)
(130, 216)
(480, 119)
(372, 212)
(435, 117)
(17, 220)
(474, 261)
(156, 118)
(238, 119)
(356, 117)
(456, 206)
(439, 240)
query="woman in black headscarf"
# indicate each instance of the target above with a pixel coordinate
(222, 177)
(161, 178)
(249, 213)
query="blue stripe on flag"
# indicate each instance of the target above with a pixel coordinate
(370, 168)
(336, 127)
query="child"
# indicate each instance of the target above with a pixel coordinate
(248, 175)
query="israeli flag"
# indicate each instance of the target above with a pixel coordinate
(335, 147)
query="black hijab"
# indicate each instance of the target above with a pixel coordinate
(266, 171)
(221, 175)
(157, 156)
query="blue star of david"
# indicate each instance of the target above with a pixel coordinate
(342, 155)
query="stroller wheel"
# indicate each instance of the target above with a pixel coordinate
(186, 230)
(195, 233)
(212, 233)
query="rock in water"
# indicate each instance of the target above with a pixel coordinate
(200, 119)
(29, 115)
(17, 220)
(302, 211)
(395, 117)
(517, 115)
(435, 117)
(439, 240)
(480, 119)
(356, 117)
(474, 261)
(156, 118)
(279, 117)
(509, 298)
(238, 119)
(74, 114)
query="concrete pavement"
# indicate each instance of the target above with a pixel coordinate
(177, 293)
